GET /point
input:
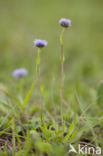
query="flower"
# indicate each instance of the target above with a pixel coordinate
(40, 43)
(18, 73)
(65, 22)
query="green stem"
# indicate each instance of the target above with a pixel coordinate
(21, 86)
(61, 77)
(13, 137)
(39, 85)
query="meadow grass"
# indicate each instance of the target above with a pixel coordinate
(21, 130)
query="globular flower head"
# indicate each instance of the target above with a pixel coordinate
(65, 22)
(18, 73)
(40, 43)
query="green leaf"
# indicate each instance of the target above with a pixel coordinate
(28, 95)
(71, 130)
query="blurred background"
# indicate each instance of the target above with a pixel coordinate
(22, 21)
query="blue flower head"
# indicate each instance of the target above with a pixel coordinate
(40, 43)
(65, 22)
(18, 73)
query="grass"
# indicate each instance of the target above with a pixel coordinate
(21, 130)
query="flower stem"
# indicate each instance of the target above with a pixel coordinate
(62, 77)
(21, 87)
(13, 137)
(39, 85)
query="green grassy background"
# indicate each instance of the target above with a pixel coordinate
(22, 21)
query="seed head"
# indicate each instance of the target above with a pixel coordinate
(18, 73)
(40, 43)
(65, 22)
